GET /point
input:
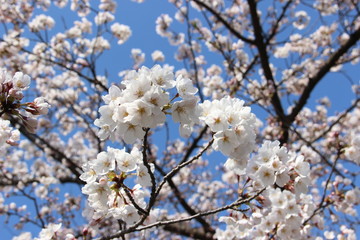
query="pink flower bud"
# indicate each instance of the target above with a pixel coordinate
(85, 232)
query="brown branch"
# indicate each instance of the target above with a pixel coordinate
(187, 231)
(184, 203)
(224, 22)
(181, 165)
(237, 203)
(264, 60)
(194, 144)
(42, 143)
(323, 158)
(148, 167)
(337, 120)
(276, 25)
(168, 178)
(321, 204)
(34, 200)
(190, 42)
(62, 65)
(246, 72)
(313, 81)
(132, 200)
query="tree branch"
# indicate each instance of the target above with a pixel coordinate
(55, 153)
(168, 178)
(353, 38)
(224, 22)
(264, 60)
(187, 231)
(163, 223)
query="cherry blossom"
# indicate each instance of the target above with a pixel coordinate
(242, 123)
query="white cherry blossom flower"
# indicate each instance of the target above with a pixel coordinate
(158, 56)
(104, 163)
(130, 214)
(41, 22)
(184, 111)
(121, 32)
(130, 132)
(265, 175)
(125, 161)
(49, 232)
(225, 141)
(185, 87)
(162, 77)
(21, 81)
(89, 174)
(103, 17)
(302, 167)
(302, 20)
(41, 106)
(143, 176)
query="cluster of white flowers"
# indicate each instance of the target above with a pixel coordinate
(302, 20)
(163, 23)
(353, 151)
(286, 177)
(11, 87)
(157, 56)
(103, 17)
(121, 32)
(186, 111)
(18, 82)
(138, 57)
(99, 44)
(41, 22)
(108, 194)
(282, 217)
(212, 86)
(139, 105)
(274, 165)
(107, 5)
(8, 134)
(142, 102)
(79, 28)
(82, 7)
(49, 232)
(60, 3)
(301, 45)
(234, 128)
(326, 7)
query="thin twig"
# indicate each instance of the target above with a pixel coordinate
(238, 202)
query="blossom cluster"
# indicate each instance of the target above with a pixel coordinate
(352, 152)
(66, 67)
(121, 32)
(41, 22)
(285, 177)
(11, 94)
(233, 125)
(105, 178)
(283, 217)
(137, 106)
(7, 133)
(274, 165)
(143, 101)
